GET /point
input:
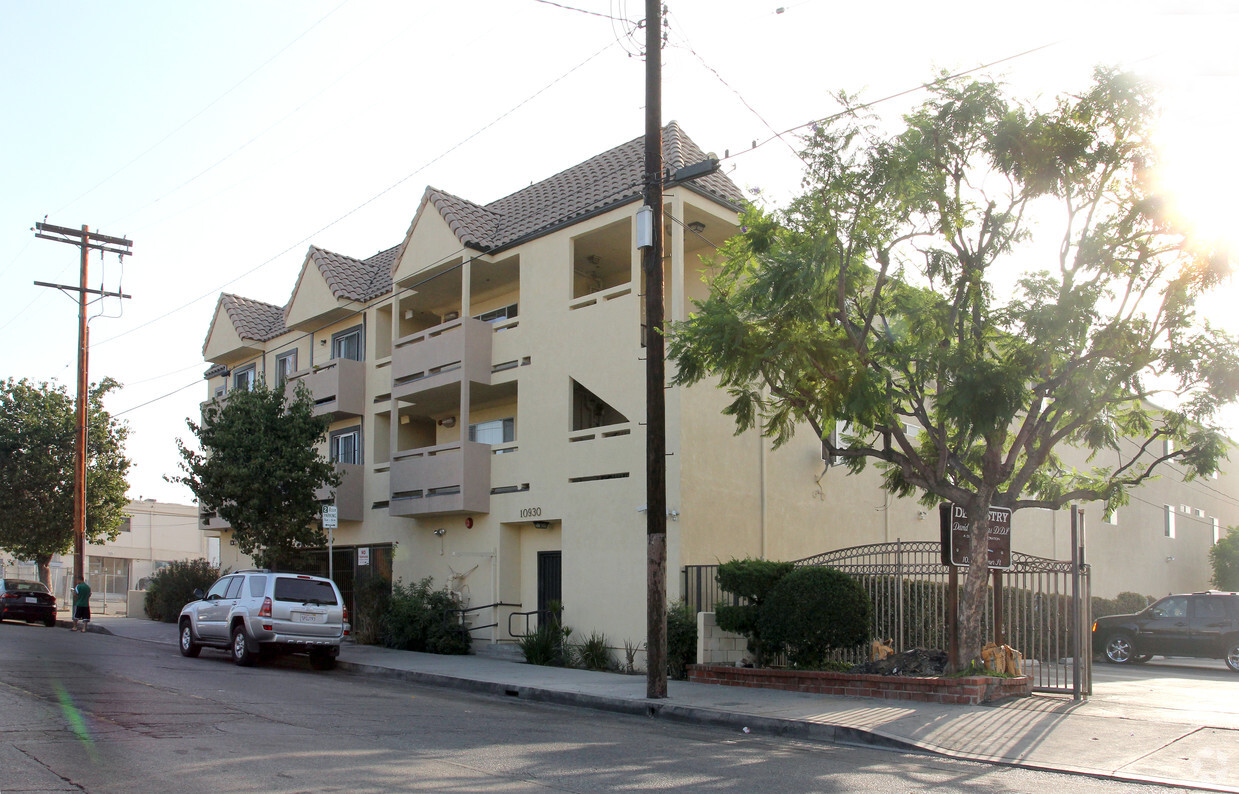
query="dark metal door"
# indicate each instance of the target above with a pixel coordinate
(550, 581)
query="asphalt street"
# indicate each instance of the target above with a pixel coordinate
(99, 713)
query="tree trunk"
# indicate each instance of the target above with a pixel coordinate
(970, 632)
(44, 564)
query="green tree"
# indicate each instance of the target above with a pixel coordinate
(259, 468)
(901, 295)
(1224, 557)
(37, 469)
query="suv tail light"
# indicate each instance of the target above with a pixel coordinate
(265, 612)
(347, 627)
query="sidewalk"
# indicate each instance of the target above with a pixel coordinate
(1177, 743)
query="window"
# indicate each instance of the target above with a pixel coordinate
(1171, 608)
(258, 586)
(243, 378)
(1217, 531)
(126, 524)
(234, 587)
(498, 431)
(219, 588)
(346, 446)
(285, 366)
(347, 344)
(1169, 521)
(495, 315)
(1111, 517)
(1210, 608)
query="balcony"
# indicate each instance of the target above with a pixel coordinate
(337, 387)
(210, 520)
(451, 352)
(441, 480)
(348, 494)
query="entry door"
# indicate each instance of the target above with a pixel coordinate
(550, 581)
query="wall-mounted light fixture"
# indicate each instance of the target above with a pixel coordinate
(542, 525)
(322, 343)
(404, 419)
(447, 421)
(440, 532)
(1170, 559)
(696, 227)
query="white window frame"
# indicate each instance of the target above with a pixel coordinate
(1169, 526)
(247, 375)
(352, 433)
(339, 339)
(506, 429)
(285, 366)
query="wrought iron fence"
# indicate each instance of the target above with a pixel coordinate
(909, 591)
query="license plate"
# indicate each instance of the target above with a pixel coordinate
(307, 617)
(31, 600)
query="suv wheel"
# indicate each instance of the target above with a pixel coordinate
(188, 646)
(241, 653)
(1119, 649)
(1232, 653)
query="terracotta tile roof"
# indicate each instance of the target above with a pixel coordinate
(355, 279)
(253, 319)
(603, 181)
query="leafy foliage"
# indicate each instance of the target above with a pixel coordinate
(172, 587)
(259, 468)
(1224, 557)
(681, 639)
(892, 298)
(812, 611)
(37, 469)
(594, 653)
(548, 644)
(751, 580)
(419, 617)
(1125, 603)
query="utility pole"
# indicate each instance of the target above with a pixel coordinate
(109, 245)
(655, 368)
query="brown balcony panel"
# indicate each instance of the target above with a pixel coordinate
(441, 480)
(348, 495)
(337, 387)
(448, 353)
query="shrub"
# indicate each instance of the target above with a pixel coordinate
(751, 580)
(547, 645)
(812, 611)
(172, 587)
(681, 639)
(420, 618)
(594, 653)
(1124, 603)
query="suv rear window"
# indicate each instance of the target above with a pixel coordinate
(304, 590)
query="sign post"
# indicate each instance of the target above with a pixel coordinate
(329, 524)
(956, 554)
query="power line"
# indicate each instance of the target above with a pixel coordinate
(365, 203)
(585, 11)
(205, 108)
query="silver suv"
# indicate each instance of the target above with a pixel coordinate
(254, 612)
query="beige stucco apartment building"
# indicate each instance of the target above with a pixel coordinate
(485, 383)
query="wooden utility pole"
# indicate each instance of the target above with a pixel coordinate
(655, 368)
(112, 245)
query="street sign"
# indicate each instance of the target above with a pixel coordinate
(329, 517)
(954, 520)
(363, 556)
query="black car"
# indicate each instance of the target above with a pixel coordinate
(23, 599)
(1203, 625)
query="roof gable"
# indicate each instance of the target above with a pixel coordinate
(606, 180)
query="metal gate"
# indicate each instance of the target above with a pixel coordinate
(908, 586)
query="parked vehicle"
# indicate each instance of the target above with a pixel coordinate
(1201, 625)
(258, 612)
(23, 599)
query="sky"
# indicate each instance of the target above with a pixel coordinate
(224, 138)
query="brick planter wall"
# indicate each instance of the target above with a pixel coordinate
(964, 691)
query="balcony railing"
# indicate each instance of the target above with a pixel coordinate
(448, 353)
(337, 387)
(348, 495)
(440, 480)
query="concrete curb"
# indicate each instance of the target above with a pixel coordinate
(696, 715)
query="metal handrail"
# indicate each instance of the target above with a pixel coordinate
(462, 612)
